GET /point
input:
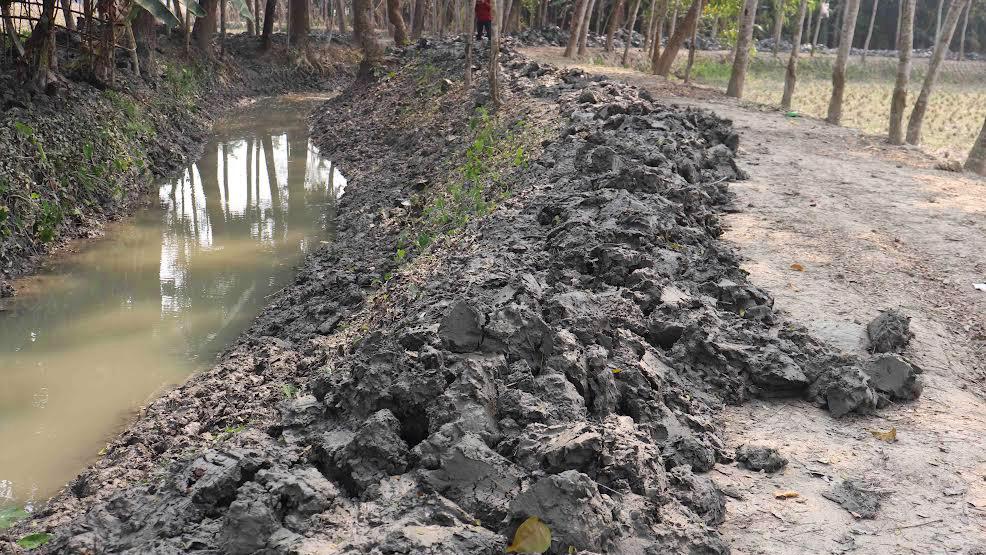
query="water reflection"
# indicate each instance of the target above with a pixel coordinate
(100, 332)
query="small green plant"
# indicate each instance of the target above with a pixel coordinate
(10, 515)
(24, 130)
(49, 217)
(290, 391)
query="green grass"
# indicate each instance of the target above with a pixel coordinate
(955, 112)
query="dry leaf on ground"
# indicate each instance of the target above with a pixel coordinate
(532, 536)
(889, 436)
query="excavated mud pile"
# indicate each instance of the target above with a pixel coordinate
(564, 357)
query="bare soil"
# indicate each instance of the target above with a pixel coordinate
(873, 226)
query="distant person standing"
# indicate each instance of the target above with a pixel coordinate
(483, 19)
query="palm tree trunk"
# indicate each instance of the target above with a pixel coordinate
(584, 36)
(818, 28)
(614, 23)
(976, 162)
(632, 21)
(470, 23)
(494, 70)
(341, 15)
(965, 25)
(678, 38)
(741, 57)
(299, 24)
(905, 43)
(67, 13)
(916, 120)
(778, 25)
(691, 45)
(575, 28)
(8, 24)
(269, 11)
(222, 27)
(791, 76)
(39, 50)
(869, 32)
(655, 57)
(807, 29)
(400, 30)
(649, 35)
(841, 58)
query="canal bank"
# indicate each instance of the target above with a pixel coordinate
(80, 155)
(101, 331)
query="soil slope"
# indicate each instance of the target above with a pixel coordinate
(550, 333)
(873, 226)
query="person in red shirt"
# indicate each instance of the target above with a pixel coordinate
(483, 19)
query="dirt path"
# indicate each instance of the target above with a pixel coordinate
(873, 227)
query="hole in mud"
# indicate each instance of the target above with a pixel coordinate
(414, 425)
(665, 336)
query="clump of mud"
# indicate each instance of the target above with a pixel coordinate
(563, 357)
(855, 497)
(889, 332)
(758, 457)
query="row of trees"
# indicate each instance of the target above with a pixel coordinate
(662, 60)
(105, 22)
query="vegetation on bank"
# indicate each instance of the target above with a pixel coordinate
(85, 155)
(496, 144)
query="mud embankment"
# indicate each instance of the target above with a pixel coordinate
(524, 313)
(79, 155)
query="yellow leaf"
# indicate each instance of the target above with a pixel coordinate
(785, 494)
(616, 370)
(797, 267)
(889, 436)
(532, 536)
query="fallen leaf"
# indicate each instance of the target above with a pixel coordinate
(32, 541)
(797, 267)
(616, 370)
(888, 436)
(788, 494)
(532, 536)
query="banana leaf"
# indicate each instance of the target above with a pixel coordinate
(194, 7)
(159, 9)
(242, 7)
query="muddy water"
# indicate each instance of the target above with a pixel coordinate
(103, 330)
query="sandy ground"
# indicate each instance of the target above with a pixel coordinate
(873, 227)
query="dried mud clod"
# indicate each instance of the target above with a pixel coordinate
(564, 356)
(855, 497)
(759, 457)
(889, 332)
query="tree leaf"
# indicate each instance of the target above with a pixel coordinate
(195, 8)
(797, 267)
(532, 536)
(242, 7)
(160, 11)
(31, 541)
(786, 494)
(889, 436)
(10, 515)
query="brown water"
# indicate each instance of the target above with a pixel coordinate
(102, 331)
